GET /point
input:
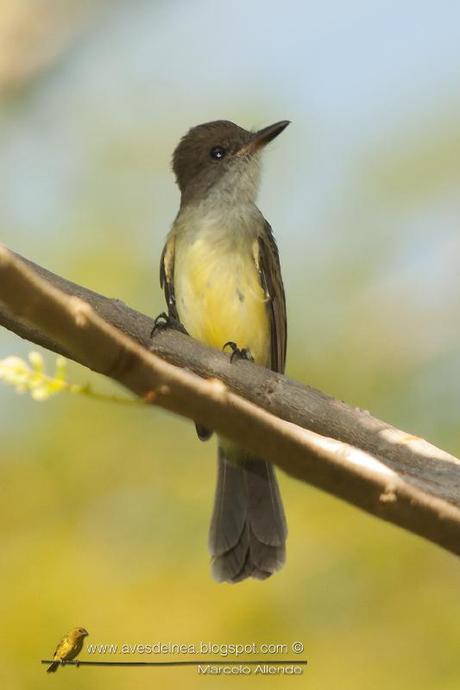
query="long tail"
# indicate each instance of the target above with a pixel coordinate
(248, 530)
(52, 668)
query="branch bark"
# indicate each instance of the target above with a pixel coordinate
(342, 450)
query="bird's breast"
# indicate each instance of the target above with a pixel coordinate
(219, 296)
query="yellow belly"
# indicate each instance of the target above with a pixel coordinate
(219, 296)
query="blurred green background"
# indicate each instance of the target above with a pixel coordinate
(104, 510)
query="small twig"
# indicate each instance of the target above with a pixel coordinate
(199, 662)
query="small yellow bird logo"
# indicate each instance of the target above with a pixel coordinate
(68, 648)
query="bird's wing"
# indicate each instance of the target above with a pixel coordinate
(167, 276)
(76, 648)
(268, 264)
(63, 648)
(167, 283)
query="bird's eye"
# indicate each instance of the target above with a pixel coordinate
(217, 152)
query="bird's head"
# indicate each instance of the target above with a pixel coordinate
(220, 156)
(79, 632)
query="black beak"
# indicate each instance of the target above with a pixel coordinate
(261, 138)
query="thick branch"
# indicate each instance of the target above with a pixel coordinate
(395, 476)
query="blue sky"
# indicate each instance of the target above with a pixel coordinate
(347, 74)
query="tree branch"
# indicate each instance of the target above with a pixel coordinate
(342, 450)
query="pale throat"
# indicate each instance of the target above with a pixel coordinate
(228, 209)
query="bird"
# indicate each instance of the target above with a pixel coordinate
(68, 648)
(221, 276)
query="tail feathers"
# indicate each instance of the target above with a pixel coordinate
(52, 668)
(248, 527)
(266, 513)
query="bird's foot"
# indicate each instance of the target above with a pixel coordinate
(163, 321)
(238, 353)
(77, 663)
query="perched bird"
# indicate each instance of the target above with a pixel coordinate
(68, 648)
(221, 276)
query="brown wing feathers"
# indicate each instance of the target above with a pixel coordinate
(270, 275)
